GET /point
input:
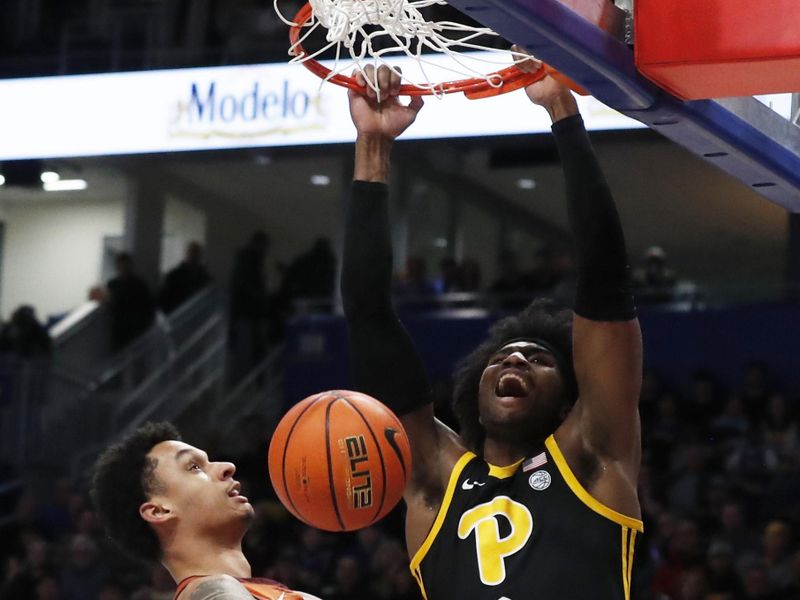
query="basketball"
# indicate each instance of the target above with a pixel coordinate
(339, 460)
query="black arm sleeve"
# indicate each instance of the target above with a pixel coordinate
(603, 291)
(384, 361)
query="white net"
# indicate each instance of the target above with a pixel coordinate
(373, 30)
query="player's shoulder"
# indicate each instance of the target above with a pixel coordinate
(213, 586)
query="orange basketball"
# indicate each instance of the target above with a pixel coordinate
(339, 460)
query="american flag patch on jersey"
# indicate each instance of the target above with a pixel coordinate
(532, 463)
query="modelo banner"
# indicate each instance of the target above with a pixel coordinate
(231, 107)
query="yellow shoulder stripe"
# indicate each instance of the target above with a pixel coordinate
(437, 524)
(583, 495)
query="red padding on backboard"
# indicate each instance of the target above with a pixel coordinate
(716, 48)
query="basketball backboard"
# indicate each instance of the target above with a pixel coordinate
(586, 40)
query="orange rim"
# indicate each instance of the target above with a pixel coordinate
(512, 77)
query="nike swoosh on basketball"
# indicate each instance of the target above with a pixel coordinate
(468, 486)
(390, 435)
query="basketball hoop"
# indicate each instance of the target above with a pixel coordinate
(400, 21)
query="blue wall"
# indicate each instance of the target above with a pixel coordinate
(676, 343)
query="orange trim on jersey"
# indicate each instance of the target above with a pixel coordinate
(437, 524)
(182, 586)
(583, 495)
(260, 589)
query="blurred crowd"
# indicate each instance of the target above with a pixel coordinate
(550, 271)
(719, 486)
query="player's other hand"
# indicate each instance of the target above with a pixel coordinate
(381, 112)
(548, 92)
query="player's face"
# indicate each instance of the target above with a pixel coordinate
(520, 393)
(199, 492)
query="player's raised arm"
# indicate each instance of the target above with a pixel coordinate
(385, 362)
(607, 346)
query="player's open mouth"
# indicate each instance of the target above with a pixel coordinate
(511, 384)
(233, 492)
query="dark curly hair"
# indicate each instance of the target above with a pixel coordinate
(543, 319)
(124, 478)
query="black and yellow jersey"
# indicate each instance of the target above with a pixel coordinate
(528, 531)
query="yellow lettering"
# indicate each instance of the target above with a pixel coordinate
(491, 549)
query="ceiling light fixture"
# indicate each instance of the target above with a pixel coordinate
(49, 176)
(526, 183)
(320, 180)
(2, 180)
(65, 185)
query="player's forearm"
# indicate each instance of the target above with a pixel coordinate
(384, 361)
(373, 154)
(603, 292)
(562, 106)
(367, 267)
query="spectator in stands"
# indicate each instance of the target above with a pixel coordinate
(733, 423)
(47, 589)
(349, 582)
(455, 277)
(130, 303)
(703, 401)
(470, 275)
(55, 517)
(721, 571)
(694, 584)
(779, 427)
(284, 569)
(793, 590)
(755, 390)
(666, 431)
(84, 575)
(366, 543)
(413, 281)
(776, 557)
(314, 558)
(542, 275)
(185, 280)
(449, 276)
(683, 554)
(652, 388)
(311, 275)
(756, 584)
(654, 280)
(24, 335)
(510, 280)
(751, 466)
(249, 305)
(689, 480)
(23, 574)
(111, 591)
(389, 558)
(160, 586)
(565, 276)
(731, 529)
